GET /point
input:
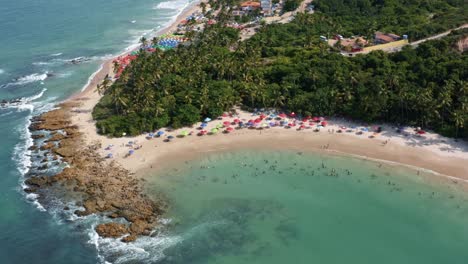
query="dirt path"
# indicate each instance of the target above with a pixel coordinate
(438, 36)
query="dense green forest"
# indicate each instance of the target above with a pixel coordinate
(286, 66)
(416, 18)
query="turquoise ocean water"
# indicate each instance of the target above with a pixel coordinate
(286, 207)
(38, 38)
(245, 207)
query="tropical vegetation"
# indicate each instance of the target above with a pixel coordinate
(286, 66)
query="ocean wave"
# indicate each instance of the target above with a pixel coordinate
(2, 71)
(56, 54)
(32, 78)
(35, 77)
(176, 5)
(24, 102)
(90, 79)
(143, 250)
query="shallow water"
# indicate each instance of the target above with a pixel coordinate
(286, 207)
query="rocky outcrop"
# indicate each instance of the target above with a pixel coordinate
(114, 230)
(105, 188)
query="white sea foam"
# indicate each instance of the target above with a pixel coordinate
(56, 54)
(35, 77)
(91, 78)
(143, 250)
(176, 4)
(31, 78)
(2, 71)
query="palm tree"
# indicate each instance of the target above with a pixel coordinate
(143, 41)
(104, 86)
(203, 7)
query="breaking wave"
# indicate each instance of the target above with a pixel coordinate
(175, 5)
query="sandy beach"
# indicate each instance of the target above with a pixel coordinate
(430, 151)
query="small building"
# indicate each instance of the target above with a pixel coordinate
(266, 6)
(238, 13)
(250, 6)
(353, 44)
(383, 38)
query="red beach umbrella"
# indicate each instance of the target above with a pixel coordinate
(236, 120)
(316, 119)
(420, 132)
(282, 115)
(324, 123)
(229, 129)
(225, 115)
(262, 116)
(292, 114)
(226, 123)
(258, 120)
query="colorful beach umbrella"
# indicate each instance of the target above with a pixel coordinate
(207, 119)
(226, 123)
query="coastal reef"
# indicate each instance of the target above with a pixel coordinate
(99, 187)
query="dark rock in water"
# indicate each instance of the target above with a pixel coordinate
(56, 137)
(32, 147)
(66, 208)
(39, 181)
(80, 213)
(129, 238)
(29, 190)
(113, 215)
(38, 136)
(113, 230)
(43, 167)
(48, 145)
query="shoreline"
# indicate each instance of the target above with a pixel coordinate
(342, 145)
(435, 153)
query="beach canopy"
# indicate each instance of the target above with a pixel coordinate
(226, 123)
(324, 123)
(316, 119)
(236, 120)
(282, 115)
(214, 130)
(207, 119)
(292, 114)
(203, 124)
(160, 133)
(229, 129)
(420, 132)
(170, 137)
(184, 133)
(131, 151)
